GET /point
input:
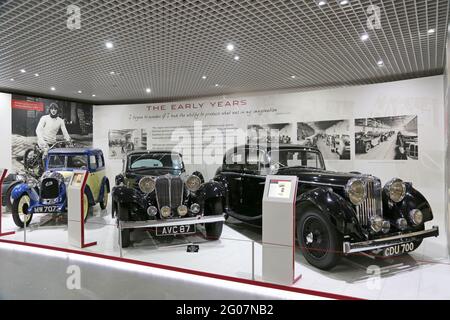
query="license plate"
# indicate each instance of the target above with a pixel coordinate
(399, 249)
(175, 230)
(46, 209)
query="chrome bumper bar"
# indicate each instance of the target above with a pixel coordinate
(388, 241)
(170, 222)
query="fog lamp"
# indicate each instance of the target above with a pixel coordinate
(166, 212)
(376, 223)
(402, 224)
(182, 210)
(152, 211)
(416, 216)
(386, 226)
(195, 208)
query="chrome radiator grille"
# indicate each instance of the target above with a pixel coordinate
(373, 205)
(49, 188)
(169, 191)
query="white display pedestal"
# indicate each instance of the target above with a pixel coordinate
(279, 230)
(75, 210)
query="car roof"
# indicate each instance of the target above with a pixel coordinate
(141, 152)
(87, 151)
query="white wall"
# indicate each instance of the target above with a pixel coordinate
(5, 130)
(423, 97)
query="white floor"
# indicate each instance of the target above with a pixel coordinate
(425, 274)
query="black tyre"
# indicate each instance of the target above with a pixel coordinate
(319, 241)
(8, 201)
(368, 146)
(104, 202)
(124, 215)
(214, 230)
(19, 208)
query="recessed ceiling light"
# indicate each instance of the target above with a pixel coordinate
(322, 2)
(12, 79)
(431, 31)
(236, 58)
(344, 2)
(94, 95)
(23, 70)
(380, 63)
(53, 88)
(148, 90)
(204, 77)
(36, 74)
(109, 45)
(364, 37)
(112, 73)
(293, 77)
(217, 84)
(230, 47)
(79, 91)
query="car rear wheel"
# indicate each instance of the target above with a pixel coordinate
(319, 241)
(20, 209)
(214, 230)
(123, 214)
(104, 202)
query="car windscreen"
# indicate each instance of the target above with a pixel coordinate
(155, 160)
(296, 158)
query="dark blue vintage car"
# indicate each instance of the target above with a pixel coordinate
(48, 194)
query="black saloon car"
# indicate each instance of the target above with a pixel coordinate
(154, 192)
(336, 213)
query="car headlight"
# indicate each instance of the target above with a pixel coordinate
(401, 223)
(147, 184)
(193, 183)
(152, 211)
(416, 216)
(166, 212)
(356, 191)
(376, 223)
(182, 210)
(396, 190)
(195, 208)
(32, 182)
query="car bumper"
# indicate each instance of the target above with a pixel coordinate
(389, 241)
(170, 222)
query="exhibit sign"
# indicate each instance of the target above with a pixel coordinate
(278, 224)
(76, 201)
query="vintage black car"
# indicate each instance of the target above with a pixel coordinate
(364, 141)
(336, 213)
(154, 192)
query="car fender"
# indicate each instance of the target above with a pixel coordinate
(104, 186)
(338, 209)
(126, 196)
(88, 192)
(22, 188)
(209, 190)
(413, 200)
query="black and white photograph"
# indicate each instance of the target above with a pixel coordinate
(39, 125)
(332, 138)
(387, 138)
(122, 141)
(281, 133)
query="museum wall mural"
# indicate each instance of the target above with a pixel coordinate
(39, 125)
(403, 121)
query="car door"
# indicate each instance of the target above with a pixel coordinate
(93, 180)
(232, 172)
(254, 181)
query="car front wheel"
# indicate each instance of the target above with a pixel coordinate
(20, 209)
(123, 214)
(214, 230)
(318, 239)
(104, 202)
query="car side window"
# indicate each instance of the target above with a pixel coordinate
(255, 160)
(93, 162)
